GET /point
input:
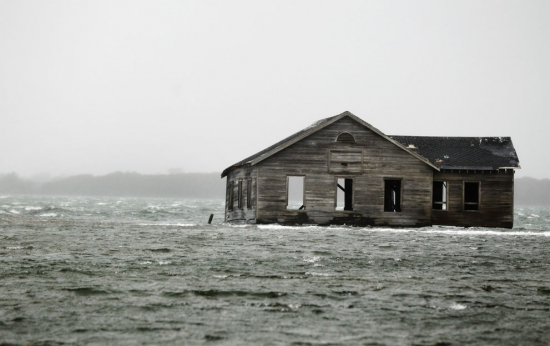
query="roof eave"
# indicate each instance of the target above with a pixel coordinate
(298, 138)
(477, 168)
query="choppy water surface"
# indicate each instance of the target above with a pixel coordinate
(151, 271)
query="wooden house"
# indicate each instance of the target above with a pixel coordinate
(349, 172)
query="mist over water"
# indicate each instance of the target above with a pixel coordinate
(132, 271)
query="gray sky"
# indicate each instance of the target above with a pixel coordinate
(100, 86)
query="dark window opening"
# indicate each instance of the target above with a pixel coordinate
(392, 195)
(249, 194)
(345, 137)
(439, 198)
(240, 194)
(471, 195)
(344, 194)
(295, 193)
(230, 196)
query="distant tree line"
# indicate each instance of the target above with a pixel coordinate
(528, 191)
(121, 184)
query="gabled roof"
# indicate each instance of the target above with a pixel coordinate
(275, 148)
(474, 153)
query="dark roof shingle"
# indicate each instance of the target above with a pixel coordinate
(480, 153)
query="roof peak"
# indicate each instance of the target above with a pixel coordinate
(316, 126)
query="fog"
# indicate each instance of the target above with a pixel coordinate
(93, 87)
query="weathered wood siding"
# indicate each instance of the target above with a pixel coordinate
(496, 208)
(318, 158)
(248, 175)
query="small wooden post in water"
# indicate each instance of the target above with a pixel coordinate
(210, 218)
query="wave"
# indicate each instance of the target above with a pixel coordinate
(460, 232)
(277, 226)
(169, 224)
(222, 294)
(448, 231)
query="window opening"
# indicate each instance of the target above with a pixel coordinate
(295, 193)
(230, 196)
(345, 137)
(249, 193)
(471, 195)
(240, 194)
(344, 194)
(439, 198)
(392, 195)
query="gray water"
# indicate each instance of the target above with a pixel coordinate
(151, 271)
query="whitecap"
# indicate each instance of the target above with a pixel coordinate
(164, 262)
(459, 232)
(48, 215)
(312, 259)
(33, 208)
(318, 274)
(393, 230)
(337, 228)
(169, 224)
(15, 247)
(456, 306)
(13, 211)
(277, 226)
(220, 276)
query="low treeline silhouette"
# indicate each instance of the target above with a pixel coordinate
(121, 184)
(528, 191)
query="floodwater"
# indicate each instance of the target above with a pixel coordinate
(152, 271)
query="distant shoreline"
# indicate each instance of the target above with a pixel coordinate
(528, 191)
(120, 184)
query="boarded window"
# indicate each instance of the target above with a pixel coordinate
(392, 195)
(295, 193)
(439, 198)
(249, 193)
(344, 194)
(230, 196)
(345, 137)
(240, 194)
(471, 195)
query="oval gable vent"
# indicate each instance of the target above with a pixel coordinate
(345, 137)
